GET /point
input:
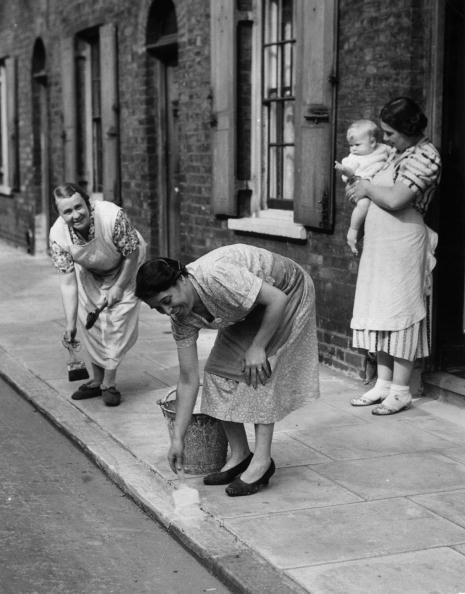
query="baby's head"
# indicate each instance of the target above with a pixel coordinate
(363, 137)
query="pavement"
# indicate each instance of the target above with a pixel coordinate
(359, 504)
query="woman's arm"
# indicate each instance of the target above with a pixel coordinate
(186, 395)
(115, 293)
(391, 198)
(69, 296)
(256, 366)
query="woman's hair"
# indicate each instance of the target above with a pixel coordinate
(157, 275)
(405, 116)
(368, 127)
(68, 189)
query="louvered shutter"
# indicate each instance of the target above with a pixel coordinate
(68, 84)
(315, 64)
(223, 80)
(110, 113)
(12, 123)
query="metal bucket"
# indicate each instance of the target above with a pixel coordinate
(205, 443)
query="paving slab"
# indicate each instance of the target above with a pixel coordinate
(345, 532)
(412, 573)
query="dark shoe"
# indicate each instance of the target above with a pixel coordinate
(226, 476)
(111, 396)
(238, 488)
(86, 391)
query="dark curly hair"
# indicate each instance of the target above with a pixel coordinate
(157, 275)
(405, 116)
(68, 189)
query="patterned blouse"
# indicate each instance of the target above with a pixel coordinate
(124, 237)
(228, 281)
(419, 167)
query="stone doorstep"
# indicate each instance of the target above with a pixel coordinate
(445, 386)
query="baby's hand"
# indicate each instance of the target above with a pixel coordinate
(352, 235)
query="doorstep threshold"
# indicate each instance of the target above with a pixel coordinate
(445, 386)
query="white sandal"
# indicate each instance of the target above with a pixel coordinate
(366, 400)
(393, 404)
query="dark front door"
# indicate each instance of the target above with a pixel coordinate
(450, 276)
(171, 161)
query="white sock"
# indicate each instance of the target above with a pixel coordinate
(400, 390)
(379, 391)
(398, 394)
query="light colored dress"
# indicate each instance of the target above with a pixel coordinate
(97, 263)
(228, 281)
(394, 278)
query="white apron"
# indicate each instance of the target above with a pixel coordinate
(395, 267)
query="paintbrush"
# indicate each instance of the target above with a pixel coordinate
(92, 316)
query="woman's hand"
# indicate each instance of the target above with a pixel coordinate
(69, 338)
(357, 190)
(256, 366)
(114, 295)
(176, 455)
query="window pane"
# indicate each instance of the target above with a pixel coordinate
(96, 85)
(278, 101)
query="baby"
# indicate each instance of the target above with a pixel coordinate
(368, 155)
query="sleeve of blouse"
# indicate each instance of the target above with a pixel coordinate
(124, 234)
(61, 258)
(420, 170)
(183, 334)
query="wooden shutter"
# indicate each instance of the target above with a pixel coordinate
(315, 65)
(110, 111)
(68, 83)
(223, 80)
(12, 123)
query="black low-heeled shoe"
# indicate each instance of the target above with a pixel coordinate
(226, 476)
(238, 488)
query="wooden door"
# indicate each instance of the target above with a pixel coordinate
(171, 161)
(450, 275)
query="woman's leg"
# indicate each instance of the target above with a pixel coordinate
(380, 391)
(399, 395)
(385, 364)
(98, 373)
(262, 454)
(237, 439)
(109, 377)
(402, 372)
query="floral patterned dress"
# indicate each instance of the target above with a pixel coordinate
(97, 264)
(228, 281)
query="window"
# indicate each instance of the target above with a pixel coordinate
(90, 111)
(8, 127)
(278, 99)
(89, 120)
(290, 89)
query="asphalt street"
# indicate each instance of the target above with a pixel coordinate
(65, 528)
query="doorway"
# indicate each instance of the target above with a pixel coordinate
(40, 139)
(450, 275)
(162, 45)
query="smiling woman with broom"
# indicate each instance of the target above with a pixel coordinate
(98, 252)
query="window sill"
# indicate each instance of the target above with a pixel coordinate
(6, 191)
(279, 223)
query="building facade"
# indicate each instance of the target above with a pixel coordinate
(218, 121)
